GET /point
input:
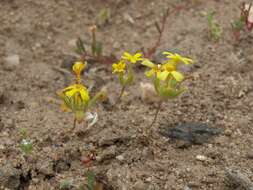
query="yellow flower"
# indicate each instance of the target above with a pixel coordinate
(119, 67)
(155, 69)
(176, 58)
(77, 89)
(132, 58)
(76, 99)
(170, 69)
(78, 67)
(162, 71)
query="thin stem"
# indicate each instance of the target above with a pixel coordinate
(156, 114)
(120, 95)
(74, 124)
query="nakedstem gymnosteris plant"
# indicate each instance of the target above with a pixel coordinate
(124, 70)
(76, 97)
(166, 78)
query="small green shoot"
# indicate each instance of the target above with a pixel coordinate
(215, 30)
(92, 184)
(65, 184)
(26, 146)
(103, 16)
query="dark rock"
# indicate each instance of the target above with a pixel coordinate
(9, 177)
(192, 133)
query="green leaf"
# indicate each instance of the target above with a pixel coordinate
(80, 49)
(90, 180)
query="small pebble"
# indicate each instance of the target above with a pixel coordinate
(228, 132)
(120, 158)
(201, 157)
(11, 62)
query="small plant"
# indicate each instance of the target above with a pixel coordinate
(96, 46)
(215, 30)
(92, 184)
(26, 146)
(103, 16)
(247, 15)
(244, 21)
(166, 79)
(76, 97)
(124, 70)
(65, 184)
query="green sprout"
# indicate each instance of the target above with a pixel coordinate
(65, 184)
(92, 184)
(96, 46)
(104, 16)
(214, 28)
(26, 146)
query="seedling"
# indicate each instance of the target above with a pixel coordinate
(76, 97)
(92, 184)
(166, 79)
(214, 28)
(124, 70)
(244, 21)
(104, 16)
(65, 184)
(26, 146)
(96, 46)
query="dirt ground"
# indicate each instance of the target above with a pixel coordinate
(42, 34)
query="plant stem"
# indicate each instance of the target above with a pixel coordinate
(74, 124)
(156, 114)
(120, 95)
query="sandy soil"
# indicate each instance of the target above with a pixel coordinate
(42, 33)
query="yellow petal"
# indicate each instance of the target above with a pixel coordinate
(137, 56)
(150, 73)
(167, 53)
(148, 63)
(178, 76)
(71, 92)
(162, 75)
(84, 94)
(187, 61)
(78, 67)
(126, 55)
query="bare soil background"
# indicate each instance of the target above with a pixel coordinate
(42, 34)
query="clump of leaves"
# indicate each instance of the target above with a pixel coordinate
(214, 29)
(166, 78)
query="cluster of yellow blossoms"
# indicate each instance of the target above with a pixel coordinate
(166, 80)
(76, 97)
(166, 76)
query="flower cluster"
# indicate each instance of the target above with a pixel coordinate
(76, 97)
(124, 69)
(166, 77)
